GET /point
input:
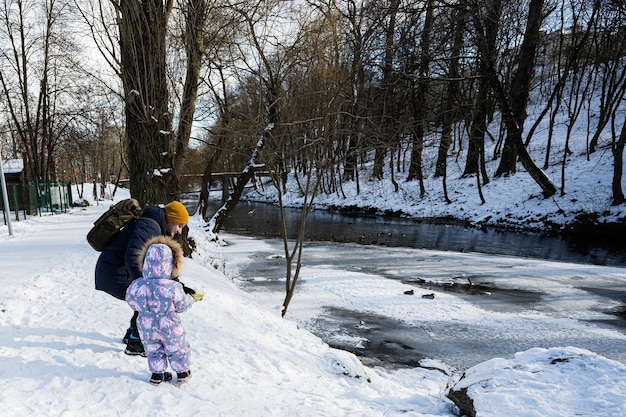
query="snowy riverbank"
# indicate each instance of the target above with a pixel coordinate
(61, 340)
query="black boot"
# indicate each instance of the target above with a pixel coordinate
(183, 377)
(135, 347)
(126, 337)
(158, 378)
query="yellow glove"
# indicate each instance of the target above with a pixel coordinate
(197, 296)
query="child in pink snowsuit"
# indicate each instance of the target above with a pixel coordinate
(158, 296)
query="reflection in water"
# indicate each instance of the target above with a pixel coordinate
(262, 220)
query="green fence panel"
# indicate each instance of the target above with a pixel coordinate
(37, 198)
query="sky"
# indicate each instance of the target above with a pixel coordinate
(62, 355)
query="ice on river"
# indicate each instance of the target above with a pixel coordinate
(483, 306)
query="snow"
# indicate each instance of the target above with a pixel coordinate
(60, 340)
(545, 375)
(12, 166)
(62, 355)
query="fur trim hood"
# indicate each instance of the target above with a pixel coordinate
(156, 261)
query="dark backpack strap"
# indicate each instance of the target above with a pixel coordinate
(138, 218)
(151, 219)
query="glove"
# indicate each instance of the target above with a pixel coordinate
(197, 296)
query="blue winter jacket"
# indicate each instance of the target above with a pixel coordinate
(117, 265)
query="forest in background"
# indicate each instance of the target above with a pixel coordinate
(347, 90)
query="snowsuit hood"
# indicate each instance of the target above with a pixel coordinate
(161, 257)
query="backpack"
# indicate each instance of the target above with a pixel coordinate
(112, 221)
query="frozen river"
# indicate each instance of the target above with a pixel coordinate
(459, 308)
(408, 291)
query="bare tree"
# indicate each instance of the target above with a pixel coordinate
(293, 256)
(420, 101)
(459, 20)
(360, 33)
(514, 104)
(617, 147)
(608, 50)
(196, 13)
(383, 129)
(487, 24)
(138, 54)
(37, 80)
(269, 76)
(142, 34)
(562, 50)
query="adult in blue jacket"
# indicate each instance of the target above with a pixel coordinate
(118, 264)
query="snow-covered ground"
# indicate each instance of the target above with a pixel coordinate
(61, 350)
(60, 340)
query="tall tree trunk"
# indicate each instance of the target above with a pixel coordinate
(386, 107)
(143, 29)
(451, 93)
(421, 102)
(379, 159)
(488, 27)
(476, 135)
(514, 111)
(195, 18)
(618, 166)
(357, 89)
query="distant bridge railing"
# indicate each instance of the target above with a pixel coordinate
(225, 178)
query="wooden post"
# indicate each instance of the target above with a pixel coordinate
(225, 183)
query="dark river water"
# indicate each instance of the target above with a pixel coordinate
(262, 220)
(393, 343)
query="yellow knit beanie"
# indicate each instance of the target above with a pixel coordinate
(175, 212)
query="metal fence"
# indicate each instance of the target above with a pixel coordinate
(34, 199)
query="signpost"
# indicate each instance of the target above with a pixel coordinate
(5, 198)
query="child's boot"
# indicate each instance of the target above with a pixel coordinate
(182, 377)
(157, 378)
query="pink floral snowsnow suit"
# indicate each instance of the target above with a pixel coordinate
(158, 298)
